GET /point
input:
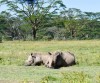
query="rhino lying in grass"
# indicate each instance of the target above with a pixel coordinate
(55, 60)
(36, 59)
(60, 59)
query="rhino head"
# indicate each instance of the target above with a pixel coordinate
(54, 60)
(30, 60)
(34, 59)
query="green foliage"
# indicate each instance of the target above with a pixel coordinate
(3, 24)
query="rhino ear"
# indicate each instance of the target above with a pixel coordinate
(58, 53)
(49, 53)
(61, 53)
(31, 54)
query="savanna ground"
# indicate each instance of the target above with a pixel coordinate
(14, 53)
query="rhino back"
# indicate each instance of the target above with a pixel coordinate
(44, 58)
(69, 58)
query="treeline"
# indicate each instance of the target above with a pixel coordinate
(39, 20)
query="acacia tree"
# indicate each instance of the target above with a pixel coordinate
(33, 11)
(72, 22)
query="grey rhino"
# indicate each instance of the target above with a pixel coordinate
(36, 59)
(60, 59)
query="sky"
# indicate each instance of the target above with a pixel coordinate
(83, 5)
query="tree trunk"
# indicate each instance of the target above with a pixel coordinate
(0, 38)
(34, 32)
(73, 33)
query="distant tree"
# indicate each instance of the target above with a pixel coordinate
(11, 25)
(3, 23)
(72, 22)
(91, 25)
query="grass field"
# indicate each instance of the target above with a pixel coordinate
(14, 53)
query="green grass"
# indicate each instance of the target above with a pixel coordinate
(14, 53)
(90, 74)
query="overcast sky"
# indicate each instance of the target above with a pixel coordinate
(83, 5)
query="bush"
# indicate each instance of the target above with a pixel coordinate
(47, 38)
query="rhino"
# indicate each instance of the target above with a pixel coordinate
(60, 59)
(36, 59)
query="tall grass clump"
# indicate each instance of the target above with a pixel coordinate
(75, 77)
(98, 78)
(48, 79)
